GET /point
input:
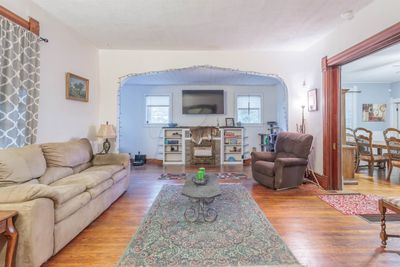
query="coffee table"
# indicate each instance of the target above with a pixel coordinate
(201, 196)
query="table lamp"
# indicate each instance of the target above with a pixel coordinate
(106, 131)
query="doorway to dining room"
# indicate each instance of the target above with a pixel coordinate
(370, 119)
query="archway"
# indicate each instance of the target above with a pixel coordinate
(136, 134)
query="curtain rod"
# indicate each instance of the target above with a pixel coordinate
(42, 39)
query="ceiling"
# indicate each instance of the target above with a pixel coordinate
(202, 24)
(202, 75)
(380, 67)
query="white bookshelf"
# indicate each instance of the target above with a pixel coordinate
(232, 148)
(173, 147)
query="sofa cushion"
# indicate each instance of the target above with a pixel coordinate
(72, 205)
(119, 175)
(27, 192)
(82, 167)
(53, 174)
(18, 165)
(67, 154)
(110, 169)
(89, 179)
(264, 167)
(97, 190)
(33, 181)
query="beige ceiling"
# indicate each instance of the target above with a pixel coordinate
(202, 24)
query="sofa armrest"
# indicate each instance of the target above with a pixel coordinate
(112, 159)
(28, 192)
(35, 227)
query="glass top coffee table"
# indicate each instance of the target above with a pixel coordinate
(201, 196)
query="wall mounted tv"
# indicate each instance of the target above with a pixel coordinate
(203, 102)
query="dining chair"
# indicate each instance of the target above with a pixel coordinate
(392, 139)
(365, 150)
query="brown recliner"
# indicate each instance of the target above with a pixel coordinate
(285, 167)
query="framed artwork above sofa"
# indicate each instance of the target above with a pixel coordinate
(76, 87)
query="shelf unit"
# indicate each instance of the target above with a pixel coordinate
(174, 146)
(232, 148)
(232, 145)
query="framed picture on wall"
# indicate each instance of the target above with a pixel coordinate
(373, 112)
(76, 87)
(312, 100)
(230, 122)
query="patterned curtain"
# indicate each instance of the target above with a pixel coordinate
(19, 85)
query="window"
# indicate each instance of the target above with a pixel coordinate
(248, 109)
(158, 109)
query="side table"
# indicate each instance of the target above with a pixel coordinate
(8, 230)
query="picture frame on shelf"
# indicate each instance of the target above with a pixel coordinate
(76, 87)
(312, 100)
(229, 122)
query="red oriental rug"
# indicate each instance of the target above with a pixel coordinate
(354, 204)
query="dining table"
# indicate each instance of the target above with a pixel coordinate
(379, 145)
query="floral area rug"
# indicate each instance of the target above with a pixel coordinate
(353, 204)
(240, 236)
(221, 175)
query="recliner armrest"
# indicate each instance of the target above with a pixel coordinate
(265, 156)
(289, 162)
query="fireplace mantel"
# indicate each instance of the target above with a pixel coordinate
(227, 145)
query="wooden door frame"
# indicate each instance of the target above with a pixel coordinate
(331, 99)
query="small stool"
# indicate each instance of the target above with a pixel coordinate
(8, 230)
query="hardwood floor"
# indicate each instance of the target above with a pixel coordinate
(317, 234)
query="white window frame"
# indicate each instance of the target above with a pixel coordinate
(261, 108)
(169, 113)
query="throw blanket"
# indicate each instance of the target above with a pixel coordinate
(203, 133)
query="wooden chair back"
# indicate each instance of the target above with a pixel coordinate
(392, 139)
(364, 142)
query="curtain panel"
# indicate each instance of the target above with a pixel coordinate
(19, 84)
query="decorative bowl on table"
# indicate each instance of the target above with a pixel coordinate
(200, 182)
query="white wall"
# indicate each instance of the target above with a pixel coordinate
(136, 135)
(371, 93)
(117, 63)
(395, 89)
(372, 19)
(61, 119)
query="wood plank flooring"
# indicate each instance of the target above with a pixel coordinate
(317, 234)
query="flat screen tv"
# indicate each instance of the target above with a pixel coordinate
(203, 102)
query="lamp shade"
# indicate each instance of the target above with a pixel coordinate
(106, 131)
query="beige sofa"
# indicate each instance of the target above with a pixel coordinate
(58, 189)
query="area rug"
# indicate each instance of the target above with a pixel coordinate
(240, 236)
(353, 204)
(221, 175)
